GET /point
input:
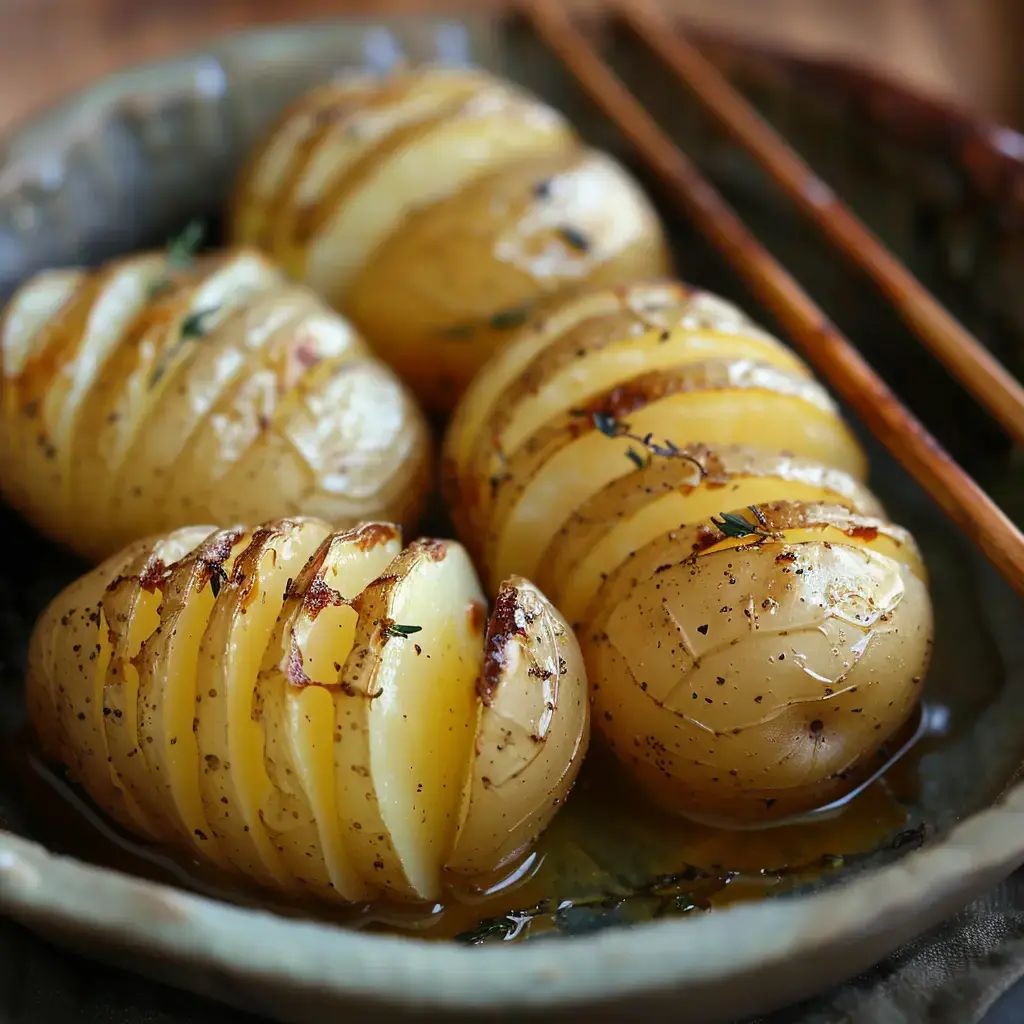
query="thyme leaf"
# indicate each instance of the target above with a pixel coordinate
(733, 525)
(182, 248)
(506, 319)
(396, 629)
(192, 327)
(179, 255)
(636, 458)
(574, 238)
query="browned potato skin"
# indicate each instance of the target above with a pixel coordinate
(110, 699)
(155, 396)
(507, 207)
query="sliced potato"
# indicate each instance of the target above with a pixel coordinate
(787, 656)
(318, 712)
(533, 730)
(470, 197)
(722, 403)
(407, 714)
(471, 266)
(668, 493)
(153, 393)
(294, 701)
(232, 775)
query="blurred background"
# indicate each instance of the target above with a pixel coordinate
(967, 50)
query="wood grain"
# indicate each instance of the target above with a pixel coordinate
(963, 49)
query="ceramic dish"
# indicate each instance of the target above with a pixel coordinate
(129, 160)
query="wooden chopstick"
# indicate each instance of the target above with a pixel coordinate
(945, 337)
(970, 508)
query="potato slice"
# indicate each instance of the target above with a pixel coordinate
(576, 349)
(417, 165)
(785, 658)
(74, 645)
(345, 441)
(23, 333)
(275, 162)
(262, 311)
(145, 355)
(166, 667)
(232, 774)
(242, 414)
(668, 493)
(322, 139)
(66, 353)
(294, 704)
(471, 266)
(406, 718)
(717, 403)
(533, 730)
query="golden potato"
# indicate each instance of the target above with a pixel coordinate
(436, 207)
(593, 454)
(785, 657)
(321, 713)
(159, 391)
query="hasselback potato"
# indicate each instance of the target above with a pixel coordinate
(434, 207)
(691, 500)
(318, 712)
(165, 389)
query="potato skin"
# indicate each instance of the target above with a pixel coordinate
(145, 396)
(435, 208)
(597, 452)
(782, 662)
(277, 698)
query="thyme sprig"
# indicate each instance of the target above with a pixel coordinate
(396, 629)
(608, 425)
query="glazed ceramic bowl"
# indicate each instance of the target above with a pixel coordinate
(126, 162)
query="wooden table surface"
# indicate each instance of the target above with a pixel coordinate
(965, 49)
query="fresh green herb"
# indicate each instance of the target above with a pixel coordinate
(506, 319)
(192, 327)
(574, 238)
(179, 255)
(660, 896)
(733, 525)
(608, 425)
(182, 249)
(637, 459)
(503, 320)
(396, 629)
